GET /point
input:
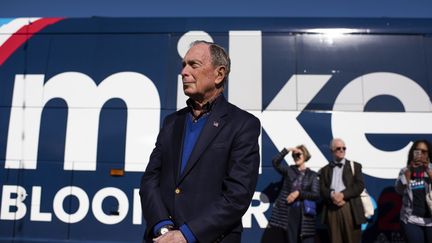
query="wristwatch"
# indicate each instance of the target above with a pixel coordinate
(164, 229)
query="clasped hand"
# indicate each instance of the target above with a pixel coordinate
(173, 236)
(338, 198)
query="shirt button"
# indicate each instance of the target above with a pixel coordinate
(177, 191)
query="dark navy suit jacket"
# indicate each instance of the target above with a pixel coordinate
(218, 182)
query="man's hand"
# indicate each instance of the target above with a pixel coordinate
(173, 236)
(293, 196)
(341, 203)
(338, 198)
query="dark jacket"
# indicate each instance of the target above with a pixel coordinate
(309, 190)
(354, 186)
(218, 182)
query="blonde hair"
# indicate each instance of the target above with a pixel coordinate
(305, 151)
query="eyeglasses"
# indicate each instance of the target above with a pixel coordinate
(340, 149)
(423, 151)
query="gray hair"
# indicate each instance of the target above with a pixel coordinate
(219, 56)
(334, 140)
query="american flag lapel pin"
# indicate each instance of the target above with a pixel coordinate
(215, 124)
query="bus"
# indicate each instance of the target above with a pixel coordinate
(82, 101)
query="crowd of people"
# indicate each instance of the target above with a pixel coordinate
(339, 185)
(203, 171)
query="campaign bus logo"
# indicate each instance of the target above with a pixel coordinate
(81, 98)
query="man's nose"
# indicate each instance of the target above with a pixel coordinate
(184, 72)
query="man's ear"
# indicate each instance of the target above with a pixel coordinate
(220, 75)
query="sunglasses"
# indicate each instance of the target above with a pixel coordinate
(297, 155)
(340, 149)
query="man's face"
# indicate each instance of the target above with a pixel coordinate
(198, 74)
(338, 150)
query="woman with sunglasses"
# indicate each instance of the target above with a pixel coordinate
(291, 219)
(413, 184)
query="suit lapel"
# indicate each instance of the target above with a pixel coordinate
(177, 141)
(330, 175)
(346, 171)
(213, 126)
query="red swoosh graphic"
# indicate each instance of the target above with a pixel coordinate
(22, 35)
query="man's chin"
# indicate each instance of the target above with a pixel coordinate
(186, 92)
(189, 93)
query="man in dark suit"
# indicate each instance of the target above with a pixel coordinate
(340, 189)
(203, 170)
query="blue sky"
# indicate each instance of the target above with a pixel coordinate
(221, 8)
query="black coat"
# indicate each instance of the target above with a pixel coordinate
(354, 186)
(309, 190)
